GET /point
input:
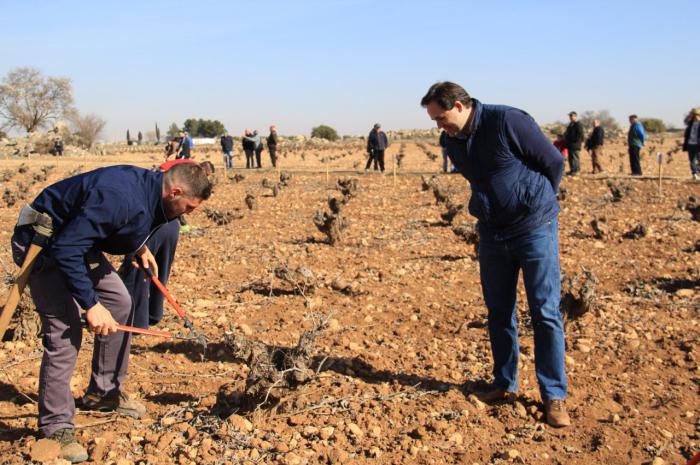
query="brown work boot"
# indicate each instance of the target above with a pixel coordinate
(70, 449)
(495, 395)
(118, 402)
(556, 413)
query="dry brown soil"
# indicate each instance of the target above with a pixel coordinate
(408, 340)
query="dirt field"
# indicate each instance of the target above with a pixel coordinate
(407, 341)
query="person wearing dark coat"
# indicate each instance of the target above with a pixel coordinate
(272, 145)
(227, 148)
(110, 210)
(514, 173)
(691, 141)
(594, 144)
(377, 143)
(574, 139)
(249, 149)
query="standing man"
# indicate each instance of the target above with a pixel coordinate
(248, 149)
(594, 144)
(514, 173)
(574, 138)
(227, 148)
(112, 210)
(258, 148)
(377, 143)
(691, 140)
(272, 145)
(636, 136)
(184, 150)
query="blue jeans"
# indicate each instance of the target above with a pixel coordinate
(536, 252)
(693, 157)
(228, 161)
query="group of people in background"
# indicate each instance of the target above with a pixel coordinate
(570, 143)
(252, 147)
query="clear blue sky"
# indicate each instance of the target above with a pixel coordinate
(351, 63)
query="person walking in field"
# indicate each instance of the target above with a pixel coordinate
(574, 139)
(691, 140)
(636, 137)
(594, 145)
(227, 149)
(109, 210)
(377, 143)
(272, 140)
(514, 172)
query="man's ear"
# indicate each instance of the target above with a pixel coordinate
(175, 191)
(459, 106)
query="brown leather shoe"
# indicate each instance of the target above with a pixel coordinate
(495, 395)
(557, 416)
(119, 403)
(71, 450)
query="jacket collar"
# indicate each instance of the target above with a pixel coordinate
(474, 120)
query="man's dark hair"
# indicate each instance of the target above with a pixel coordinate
(446, 94)
(191, 177)
(633, 116)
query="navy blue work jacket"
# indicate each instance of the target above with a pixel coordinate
(113, 210)
(513, 169)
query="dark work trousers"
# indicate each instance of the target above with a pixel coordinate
(574, 161)
(258, 154)
(635, 165)
(370, 160)
(147, 299)
(693, 158)
(63, 333)
(273, 154)
(379, 157)
(597, 159)
(249, 162)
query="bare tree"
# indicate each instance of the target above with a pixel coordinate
(606, 120)
(87, 128)
(29, 100)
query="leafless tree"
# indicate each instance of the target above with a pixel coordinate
(87, 128)
(29, 100)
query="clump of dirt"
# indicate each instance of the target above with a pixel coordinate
(11, 197)
(285, 178)
(427, 184)
(692, 206)
(561, 195)
(220, 217)
(347, 187)
(453, 210)
(23, 168)
(470, 234)
(302, 280)
(273, 370)
(74, 172)
(236, 178)
(578, 295)
(637, 232)
(7, 175)
(617, 191)
(348, 288)
(331, 224)
(250, 200)
(274, 186)
(600, 227)
(441, 194)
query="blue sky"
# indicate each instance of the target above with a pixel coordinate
(351, 63)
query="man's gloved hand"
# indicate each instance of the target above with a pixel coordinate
(100, 321)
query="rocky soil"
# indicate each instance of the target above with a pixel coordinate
(390, 377)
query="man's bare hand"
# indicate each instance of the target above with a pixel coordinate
(146, 259)
(100, 321)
